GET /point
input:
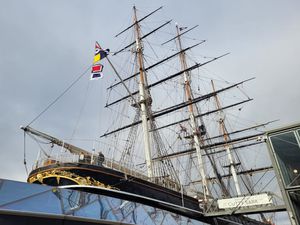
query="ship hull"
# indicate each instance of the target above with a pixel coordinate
(115, 179)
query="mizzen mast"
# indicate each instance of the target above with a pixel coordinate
(226, 145)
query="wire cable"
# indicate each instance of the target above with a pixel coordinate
(25, 163)
(62, 94)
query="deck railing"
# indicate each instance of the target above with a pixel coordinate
(71, 158)
(108, 163)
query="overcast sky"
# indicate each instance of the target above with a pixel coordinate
(46, 44)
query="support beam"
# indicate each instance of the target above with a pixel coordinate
(245, 172)
(171, 77)
(202, 114)
(178, 35)
(217, 144)
(154, 65)
(170, 109)
(140, 20)
(146, 35)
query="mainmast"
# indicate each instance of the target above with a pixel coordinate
(226, 145)
(195, 135)
(145, 99)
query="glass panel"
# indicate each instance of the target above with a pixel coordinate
(12, 190)
(46, 202)
(156, 215)
(71, 200)
(39, 198)
(128, 211)
(288, 155)
(295, 199)
(142, 216)
(169, 220)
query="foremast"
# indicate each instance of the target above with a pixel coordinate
(145, 99)
(194, 124)
(163, 174)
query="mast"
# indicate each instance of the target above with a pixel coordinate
(188, 93)
(226, 145)
(153, 65)
(144, 97)
(197, 65)
(177, 107)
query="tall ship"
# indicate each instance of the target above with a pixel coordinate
(171, 143)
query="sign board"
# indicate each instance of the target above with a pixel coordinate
(245, 201)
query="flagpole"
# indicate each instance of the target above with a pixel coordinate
(116, 72)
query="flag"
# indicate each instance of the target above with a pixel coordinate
(97, 68)
(97, 48)
(96, 72)
(99, 52)
(96, 76)
(100, 55)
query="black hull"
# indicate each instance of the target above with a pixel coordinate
(119, 180)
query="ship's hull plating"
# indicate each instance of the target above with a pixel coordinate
(117, 180)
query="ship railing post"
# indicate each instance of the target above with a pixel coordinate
(38, 159)
(93, 153)
(61, 151)
(182, 199)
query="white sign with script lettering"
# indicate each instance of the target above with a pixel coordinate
(245, 201)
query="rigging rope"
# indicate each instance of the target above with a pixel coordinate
(81, 111)
(126, 156)
(39, 144)
(25, 163)
(62, 94)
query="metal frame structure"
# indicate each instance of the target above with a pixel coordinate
(286, 190)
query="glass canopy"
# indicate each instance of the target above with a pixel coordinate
(287, 151)
(33, 198)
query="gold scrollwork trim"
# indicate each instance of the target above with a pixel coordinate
(62, 174)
